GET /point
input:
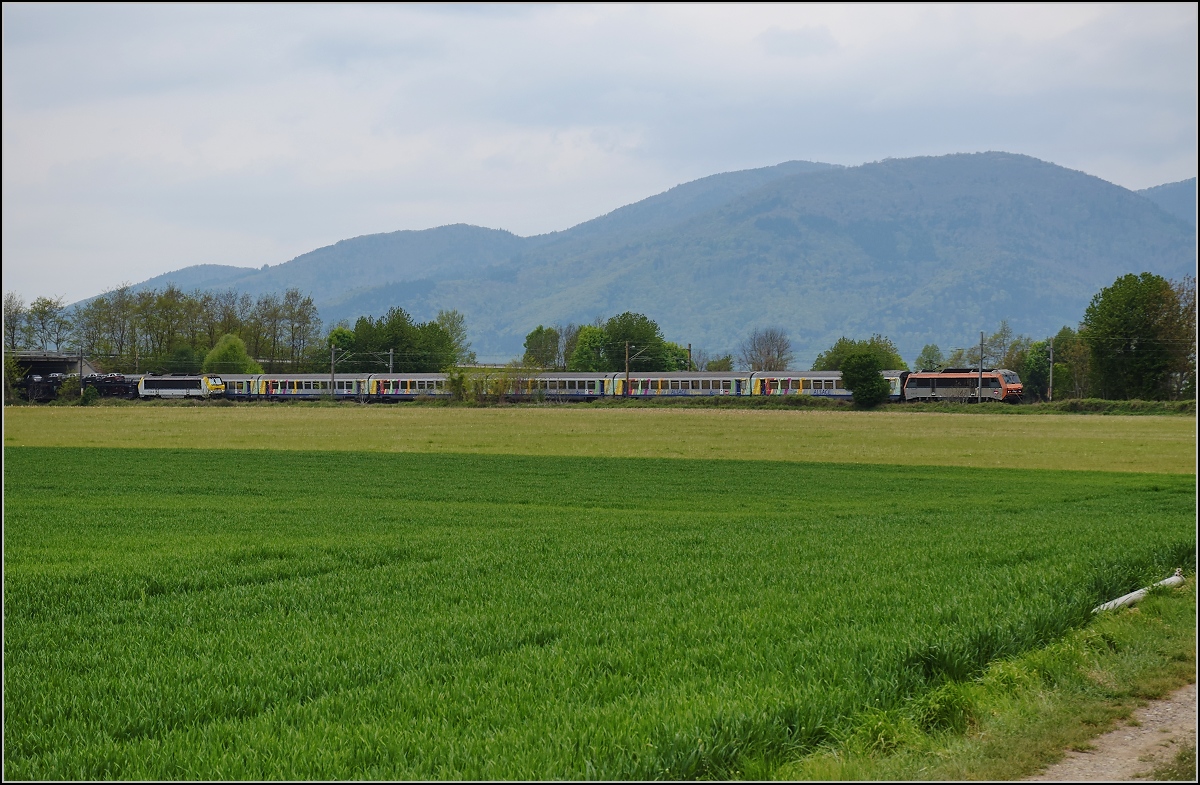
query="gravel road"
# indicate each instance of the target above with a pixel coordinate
(1132, 750)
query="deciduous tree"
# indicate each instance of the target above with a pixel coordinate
(766, 349)
(14, 321)
(880, 346)
(930, 358)
(1132, 330)
(455, 325)
(647, 349)
(860, 373)
(588, 354)
(541, 347)
(229, 356)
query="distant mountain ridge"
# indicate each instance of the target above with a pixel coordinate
(921, 249)
(1178, 199)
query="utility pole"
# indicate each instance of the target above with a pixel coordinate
(979, 397)
(627, 367)
(390, 351)
(81, 371)
(689, 357)
(1050, 389)
(332, 378)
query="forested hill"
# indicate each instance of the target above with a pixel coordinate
(921, 249)
(1178, 199)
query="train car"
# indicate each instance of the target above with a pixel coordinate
(180, 386)
(656, 384)
(825, 384)
(393, 387)
(562, 386)
(313, 386)
(112, 385)
(962, 384)
(40, 389)
(243, 386)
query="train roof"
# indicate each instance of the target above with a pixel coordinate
(961, 371)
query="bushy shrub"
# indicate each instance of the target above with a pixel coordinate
(860, 374)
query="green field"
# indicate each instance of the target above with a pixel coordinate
(418, 611)
(1109, 443)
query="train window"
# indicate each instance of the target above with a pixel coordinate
(705, 384)
(837, 384)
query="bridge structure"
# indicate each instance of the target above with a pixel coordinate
(46, 363)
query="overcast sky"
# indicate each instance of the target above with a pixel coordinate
(141, 139)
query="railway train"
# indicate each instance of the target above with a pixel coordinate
(951, 384)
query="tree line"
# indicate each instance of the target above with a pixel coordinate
(172, 331)
(168, 330)
(1137, 339)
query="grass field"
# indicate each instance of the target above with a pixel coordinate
(1109, 443)
(414, 611)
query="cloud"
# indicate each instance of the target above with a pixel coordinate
(805, 42)
(249, 134)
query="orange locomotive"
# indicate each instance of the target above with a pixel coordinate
(962, 384)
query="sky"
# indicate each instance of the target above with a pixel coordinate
(139, 139)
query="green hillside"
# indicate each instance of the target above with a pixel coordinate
(927, 249)
(921, 249)
(1178, 199)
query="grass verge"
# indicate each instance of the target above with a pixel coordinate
(787, 403)
(1130, 444)
(1022, 712)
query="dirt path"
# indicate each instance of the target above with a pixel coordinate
(1132, 750)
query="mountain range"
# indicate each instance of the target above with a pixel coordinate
(923, 250)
